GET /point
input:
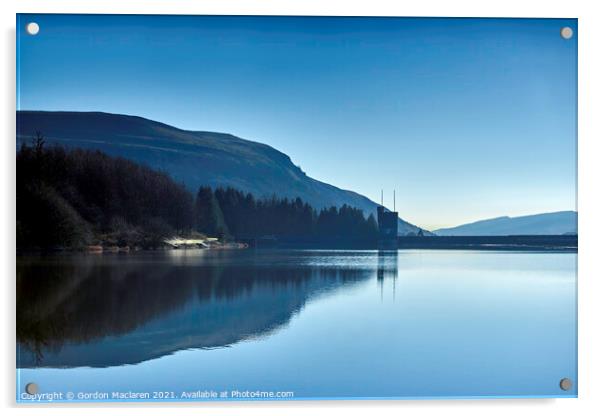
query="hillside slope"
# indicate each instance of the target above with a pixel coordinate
(192, 157)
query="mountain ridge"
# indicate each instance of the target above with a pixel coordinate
(549, 223)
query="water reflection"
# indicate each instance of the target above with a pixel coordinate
(387, 270)
(99, 311)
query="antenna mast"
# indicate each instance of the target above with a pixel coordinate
(393, 200)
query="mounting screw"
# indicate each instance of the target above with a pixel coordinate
(566, 32)
(566, 384)
(31, 388)
(32, 28)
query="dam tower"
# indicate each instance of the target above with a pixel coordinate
(387, 226)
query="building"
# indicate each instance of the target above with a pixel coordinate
(387, 228)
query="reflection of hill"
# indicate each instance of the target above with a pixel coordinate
(107, 311)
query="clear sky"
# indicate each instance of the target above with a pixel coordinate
(466, 118)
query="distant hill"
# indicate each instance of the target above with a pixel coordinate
(192, 157)
(553, 223)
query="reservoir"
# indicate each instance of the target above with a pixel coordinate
(297, 324)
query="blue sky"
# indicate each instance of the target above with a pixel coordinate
(466, 118)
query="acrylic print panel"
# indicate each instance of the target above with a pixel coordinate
(290, 208)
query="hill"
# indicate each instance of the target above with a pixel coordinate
(553, 223)
(194, 158)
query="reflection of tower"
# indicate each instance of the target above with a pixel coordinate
(386, 269)
(387, 226)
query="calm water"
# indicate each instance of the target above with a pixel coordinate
(319, 324)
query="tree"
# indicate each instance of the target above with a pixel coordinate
(86, 192)
(208, 214)
(47, 221)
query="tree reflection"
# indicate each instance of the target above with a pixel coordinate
(87, 310)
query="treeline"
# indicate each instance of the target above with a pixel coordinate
(73, 198)
(232, 212)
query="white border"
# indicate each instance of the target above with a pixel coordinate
(590, 210)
